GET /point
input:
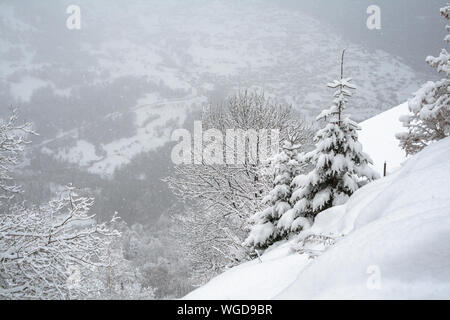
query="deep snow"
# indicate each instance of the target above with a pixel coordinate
(377, 136)
(391, 241)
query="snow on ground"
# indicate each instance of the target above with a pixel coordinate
(378, 138)
(248, 281)
(391, 241)
(83, 153)
(155, 121)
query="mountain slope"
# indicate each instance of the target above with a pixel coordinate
(391, 240)
(377, 135)
(105, 99)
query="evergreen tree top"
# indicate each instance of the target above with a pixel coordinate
(334, 113)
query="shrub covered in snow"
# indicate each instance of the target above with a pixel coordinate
(12, 142)
(56, 250)
(429, 119)
(52, 252)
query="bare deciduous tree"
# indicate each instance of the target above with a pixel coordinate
(219, 199)
(52, 252)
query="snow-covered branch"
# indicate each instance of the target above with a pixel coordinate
(429, 118)
(40, 247)
(13, 139)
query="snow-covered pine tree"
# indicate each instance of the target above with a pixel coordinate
(429, 119)
(265, 230)
(340, 165)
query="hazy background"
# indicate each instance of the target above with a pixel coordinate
(105, 99)
(411, 29)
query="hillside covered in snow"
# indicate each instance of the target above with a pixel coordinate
(377, 135)
(105, 99)
(223, 150)
(391, 240)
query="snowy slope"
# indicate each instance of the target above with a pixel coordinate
(391, 240)
(377, 135)
(255, 280)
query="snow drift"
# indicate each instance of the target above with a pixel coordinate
(391, 240)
